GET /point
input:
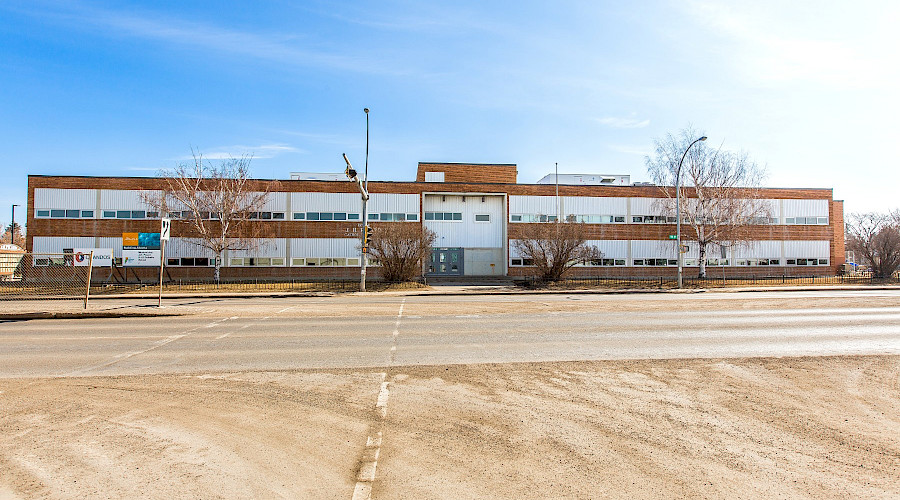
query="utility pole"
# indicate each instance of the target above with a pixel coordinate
(12, 226)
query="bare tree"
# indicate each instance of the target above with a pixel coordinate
(876, 238)
(720, 198)
(401, 249)
(219, 203)
(554, 248)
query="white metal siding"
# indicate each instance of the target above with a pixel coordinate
(268, 247)
(274, 202)
(56, 244)
(584, 205)
(326, 202)
(544, 205)
(324, 247)
(125, 199)
(72, 199)
(185, 247)
(612, 249)
(758, 250)
(648, 206)
(467, 233)
(393, 203)
(805, 208)
(806, 249)
(654, 249)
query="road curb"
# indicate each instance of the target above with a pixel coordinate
(82, 315)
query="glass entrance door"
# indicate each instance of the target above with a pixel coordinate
(446, 262)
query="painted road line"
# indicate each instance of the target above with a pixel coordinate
(368, 463)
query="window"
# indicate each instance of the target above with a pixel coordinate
(123, 214)
(110, 214)
(340, 216)
(43, 213)
(482, 217)
(138, 214)
(326, 216)
(298, 262)
(312, 215)
(515, 218)
(299, 216)
(73, 214)
(58, 213)
(352, 216)
(412, 217)
(445, 216)
(278, 215)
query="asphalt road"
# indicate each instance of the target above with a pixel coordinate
(353, 331)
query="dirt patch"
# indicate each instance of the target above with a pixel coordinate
(744, 428)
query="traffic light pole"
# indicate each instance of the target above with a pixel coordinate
(363, 247)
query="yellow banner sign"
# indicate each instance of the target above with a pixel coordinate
(130, 239)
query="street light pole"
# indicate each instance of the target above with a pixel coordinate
(12, 226)
(678, 210)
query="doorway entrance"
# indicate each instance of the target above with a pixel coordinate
(446, 262)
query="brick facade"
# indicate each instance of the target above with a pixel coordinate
(460, 178)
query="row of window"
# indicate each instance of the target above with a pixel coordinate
(383, 217)
(687, 262)
(397, 217)
(653, 219)
(89, 214)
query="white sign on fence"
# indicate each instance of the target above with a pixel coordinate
(140, 258)
(103, 257)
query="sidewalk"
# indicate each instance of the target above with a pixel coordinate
(145, 305)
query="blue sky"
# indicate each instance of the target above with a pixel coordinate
(808, 88)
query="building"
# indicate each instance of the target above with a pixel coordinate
(476, 210)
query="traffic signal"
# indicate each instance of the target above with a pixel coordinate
(367, 235)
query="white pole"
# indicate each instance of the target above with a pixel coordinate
(678, 209)
(363, 257)
(162, 261)
(87, 285)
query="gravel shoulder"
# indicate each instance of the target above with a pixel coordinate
(823, 427)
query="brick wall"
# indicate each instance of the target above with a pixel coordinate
(470, 172)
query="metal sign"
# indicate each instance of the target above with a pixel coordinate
(165, 229)
(103, 257)
(140, 241)
(141, 258)
(673, 237)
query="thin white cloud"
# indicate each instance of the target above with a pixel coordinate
(615, 122)
(286, 49)
(261, 151)
(631, 150)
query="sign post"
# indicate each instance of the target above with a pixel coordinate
(87, 285)
(164, 230)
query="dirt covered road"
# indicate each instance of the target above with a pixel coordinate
(822, 427)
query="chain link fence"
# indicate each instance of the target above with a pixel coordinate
(666, 282)
(43, 275)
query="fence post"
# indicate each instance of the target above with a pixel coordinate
(87, 285)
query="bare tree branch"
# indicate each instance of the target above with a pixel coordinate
(876, 238)
(219, 203)
(554, 248)
(720, 198)
(401, 249)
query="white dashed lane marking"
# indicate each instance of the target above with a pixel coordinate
(368, 463)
